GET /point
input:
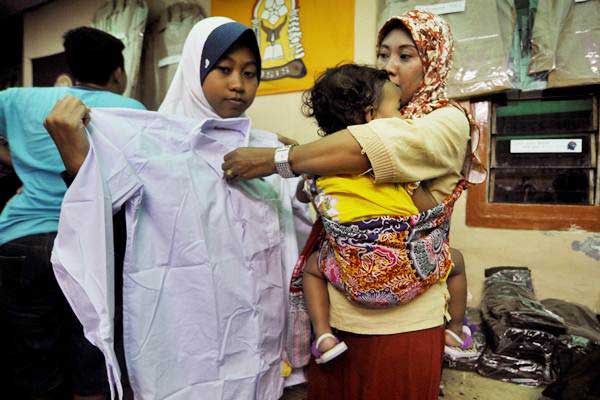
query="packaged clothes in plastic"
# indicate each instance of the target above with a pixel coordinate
(520, 53)
(569, 351)
(162, 50)
(522, 334)
(482, 39)
(582, 338)
(126, 20)
(518, 325)
(514, 370)
(566, 42)
(473, 321)
(579, 382)
(579, 319)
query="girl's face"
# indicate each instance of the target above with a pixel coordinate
(399, 57)
(230, 87)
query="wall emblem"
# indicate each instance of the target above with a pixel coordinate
(276, 24)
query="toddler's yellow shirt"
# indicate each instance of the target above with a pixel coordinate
(353, 198)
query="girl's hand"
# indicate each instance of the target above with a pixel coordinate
(66, 125)
(249, 163)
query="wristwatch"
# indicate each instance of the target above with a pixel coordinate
(282, 161)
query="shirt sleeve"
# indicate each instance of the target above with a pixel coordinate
(424, 148)
(83, 253)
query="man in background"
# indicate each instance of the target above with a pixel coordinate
(45, 353)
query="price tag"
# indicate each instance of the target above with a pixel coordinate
(546, 146)
(445, 8)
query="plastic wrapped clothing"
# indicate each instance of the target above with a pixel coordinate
(571, 350)
(513, 369)
(162, 50)
(126, 20)
(581, 381)
(204, 289)
(522, 333)
(579, 319)
(482, 37)
(581, 339)
(566, 42)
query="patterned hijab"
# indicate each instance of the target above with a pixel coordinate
(435, 46)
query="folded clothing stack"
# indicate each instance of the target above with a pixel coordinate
(522, 333)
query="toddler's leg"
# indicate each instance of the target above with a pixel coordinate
(326, 346)
(317, 302)
(457, 286)
(459, 343)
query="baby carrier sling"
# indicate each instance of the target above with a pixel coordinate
(377, 263)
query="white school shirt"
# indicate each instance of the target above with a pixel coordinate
(207, 264)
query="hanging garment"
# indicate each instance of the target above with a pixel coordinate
(162, 50)
(207, 264)
(125, 20)
(566, 42)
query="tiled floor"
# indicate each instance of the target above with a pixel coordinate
(459, 385)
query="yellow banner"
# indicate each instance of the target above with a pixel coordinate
(298, 39)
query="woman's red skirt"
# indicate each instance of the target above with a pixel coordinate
(403, 366)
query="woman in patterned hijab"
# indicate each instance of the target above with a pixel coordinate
(416, 49)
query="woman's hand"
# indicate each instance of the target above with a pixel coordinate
(249, 163)
(66, 125)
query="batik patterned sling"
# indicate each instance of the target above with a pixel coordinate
(376, 263)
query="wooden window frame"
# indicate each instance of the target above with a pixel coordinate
(482, 213)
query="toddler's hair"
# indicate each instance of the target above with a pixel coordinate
(341, 96)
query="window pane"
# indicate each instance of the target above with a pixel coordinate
(561, 151)
(542, 186)
(545, 116)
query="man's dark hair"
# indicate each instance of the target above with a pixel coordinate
(341, 95)
(92, 55)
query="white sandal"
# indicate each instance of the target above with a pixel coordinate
(466, 349)
(322, 358)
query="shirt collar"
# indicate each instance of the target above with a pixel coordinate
(238, 130)
(214, 138)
